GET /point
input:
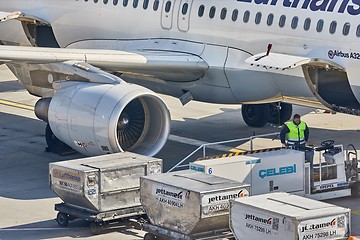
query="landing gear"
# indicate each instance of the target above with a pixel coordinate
(280, 113)
(54, 144)
(256, 115)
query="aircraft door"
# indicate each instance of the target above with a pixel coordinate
(184, 15)
(167, 14)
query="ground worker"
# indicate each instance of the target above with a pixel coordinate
(297, 133)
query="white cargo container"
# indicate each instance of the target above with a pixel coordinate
(188, 202)
(283, 216)
(102, 183)
(278, 171)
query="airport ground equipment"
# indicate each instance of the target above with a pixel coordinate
(284, 216)
(336, 173)
(101, 189)
(188, 204)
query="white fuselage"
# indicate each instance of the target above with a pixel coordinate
(227, 33)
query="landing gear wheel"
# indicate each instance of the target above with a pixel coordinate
(54, 144)
(149, 236)
(280, 113)
(355, 190)
(256, 115)
(62, 219)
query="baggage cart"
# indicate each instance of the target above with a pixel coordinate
(100, 189)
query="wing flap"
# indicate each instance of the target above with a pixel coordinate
(166, 65)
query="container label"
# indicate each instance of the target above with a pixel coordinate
(197, 168)
(250, 224)
(67, 179)
(219, 203)
(271, 172)
(334, 227)
(261, 223)
(171, 196)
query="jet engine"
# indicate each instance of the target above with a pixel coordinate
(97, 119)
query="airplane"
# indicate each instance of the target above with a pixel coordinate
(97, 65)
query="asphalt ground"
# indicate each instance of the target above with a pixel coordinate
(27, 203)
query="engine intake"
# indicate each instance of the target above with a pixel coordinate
(97, 119)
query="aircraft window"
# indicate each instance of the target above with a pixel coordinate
(358, 31)
(184, 8)
(320, 25)
(246, 16)
(212, 12)
(307, 24)
(258, 17)
(270, 19)
(235, 15)
(223, 13)
(125, 3)
(167, 6)
(332, 28)
(282, 21)
(156, 5)
(294, 22)
(346, 29)
(115, 2)
(201, 11)
(105, 1)
(95, 1)
(145, 4)
(135, 3)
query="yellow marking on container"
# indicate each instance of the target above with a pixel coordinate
(15, 104)
(241, 152)
(236, 150)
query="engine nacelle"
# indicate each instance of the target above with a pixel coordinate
(97, 119)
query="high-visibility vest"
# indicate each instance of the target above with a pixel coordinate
(296, 134)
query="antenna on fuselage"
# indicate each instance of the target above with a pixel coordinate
(267, 52)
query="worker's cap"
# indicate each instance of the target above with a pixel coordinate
(296, 116)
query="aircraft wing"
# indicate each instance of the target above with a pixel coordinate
(166, 65)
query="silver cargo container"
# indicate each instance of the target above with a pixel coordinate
(189, 202)
(283, 216)
(102, 183)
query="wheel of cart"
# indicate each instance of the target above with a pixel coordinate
(355, 189)
(149, 236)
(96, 227)
(62, 219)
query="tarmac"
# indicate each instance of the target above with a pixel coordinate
(27, 203)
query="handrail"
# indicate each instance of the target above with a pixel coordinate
(203, 146)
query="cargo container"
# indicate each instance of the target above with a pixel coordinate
(276, 171)
(186, 204)
(283, 216)
(101, 188)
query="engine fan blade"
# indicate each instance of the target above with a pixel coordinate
(131, 124)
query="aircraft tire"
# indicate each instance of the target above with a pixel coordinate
(53, 143)
(255, 115)
(279, 116)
